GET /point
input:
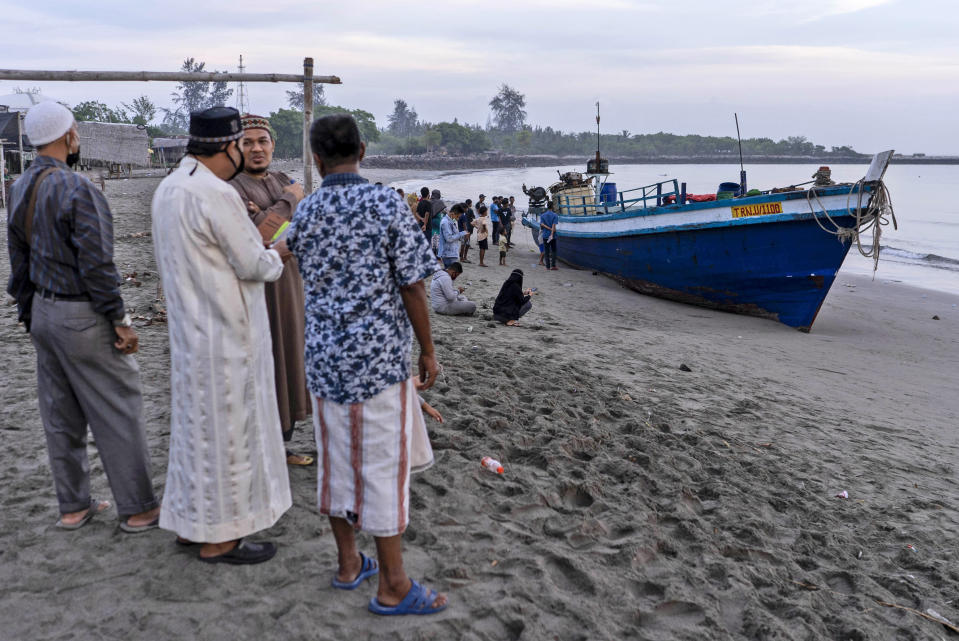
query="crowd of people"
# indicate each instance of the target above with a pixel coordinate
(279, 309)
(450, 230)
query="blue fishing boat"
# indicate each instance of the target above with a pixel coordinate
(772, 254)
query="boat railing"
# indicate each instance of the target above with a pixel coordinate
(628, 200)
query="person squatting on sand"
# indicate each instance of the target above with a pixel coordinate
(226, 476)
(483, 224)
(446, 299)
(271, 197)
(363, 262)
(513, 301)
(451, 236)
(62, 275)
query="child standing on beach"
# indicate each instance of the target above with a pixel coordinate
(483, 226)
(503, 248)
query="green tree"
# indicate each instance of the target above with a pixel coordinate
(194, 95)
(402, 122)
(364, 120)
(95, 111)
(142, 110)
(288, 125)
(523, 139)
(294, 97)
(508, 112)
(432, 138)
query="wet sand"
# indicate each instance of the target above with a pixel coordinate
(639, 500)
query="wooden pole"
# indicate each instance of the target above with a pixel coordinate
(3, 178)
(161, 76)
(20, 138)
(307, 121)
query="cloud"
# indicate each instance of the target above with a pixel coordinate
(812, 10)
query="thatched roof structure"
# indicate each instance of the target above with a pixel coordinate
(114, 143)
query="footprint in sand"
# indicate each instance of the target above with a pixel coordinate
(673, 614)
(568, 577)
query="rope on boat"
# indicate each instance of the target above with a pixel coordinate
(876, 215)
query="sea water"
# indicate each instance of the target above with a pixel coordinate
(923, 251)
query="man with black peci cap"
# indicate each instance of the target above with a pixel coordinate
(227, 474)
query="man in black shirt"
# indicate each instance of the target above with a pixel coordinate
(424, 212)
(466, 224)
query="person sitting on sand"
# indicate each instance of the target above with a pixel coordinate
(268, 194)
(65, 282)
(483, 225)
(513, 301)
(444, 298)
(358, 363)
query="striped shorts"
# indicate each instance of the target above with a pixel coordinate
(366, 452)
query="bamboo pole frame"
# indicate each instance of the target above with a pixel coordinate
(307, 79)
(3, 176)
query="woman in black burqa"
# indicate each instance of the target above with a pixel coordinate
(513, 301)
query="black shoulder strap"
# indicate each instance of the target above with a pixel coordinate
(32, 204)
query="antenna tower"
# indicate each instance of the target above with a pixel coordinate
(242, 100)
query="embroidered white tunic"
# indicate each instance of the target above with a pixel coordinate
(227, 474)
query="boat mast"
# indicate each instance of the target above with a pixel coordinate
(597, 133)
(597, 167)
(742, 170)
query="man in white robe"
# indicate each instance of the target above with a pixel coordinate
(227, 474)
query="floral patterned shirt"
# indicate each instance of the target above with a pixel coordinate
(357, 245)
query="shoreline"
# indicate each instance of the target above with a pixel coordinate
(478, 162)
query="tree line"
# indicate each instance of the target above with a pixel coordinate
(506, 130)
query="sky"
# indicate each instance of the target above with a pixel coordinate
(872, 74)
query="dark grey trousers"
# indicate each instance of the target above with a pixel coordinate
(83, 380)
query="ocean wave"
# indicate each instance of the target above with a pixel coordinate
(931, 260)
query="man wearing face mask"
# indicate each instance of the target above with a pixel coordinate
(271, 198)
(60, 239)
(227, 474)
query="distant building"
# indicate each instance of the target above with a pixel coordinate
(113, 144)
(22, 101)
(169, 151)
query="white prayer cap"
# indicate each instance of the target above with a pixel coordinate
(46, 121)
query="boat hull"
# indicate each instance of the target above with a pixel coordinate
(767, 256)
(781, 271)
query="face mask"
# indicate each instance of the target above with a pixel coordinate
(73, 157)
(238, 168)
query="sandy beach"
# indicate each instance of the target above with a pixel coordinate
(639, 501)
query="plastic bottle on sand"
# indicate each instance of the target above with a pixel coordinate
(491, 464)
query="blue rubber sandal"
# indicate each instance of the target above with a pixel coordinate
(368, 568)
(419, 600)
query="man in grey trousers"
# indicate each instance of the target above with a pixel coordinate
(60, 240)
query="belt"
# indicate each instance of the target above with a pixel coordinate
(45, 293)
